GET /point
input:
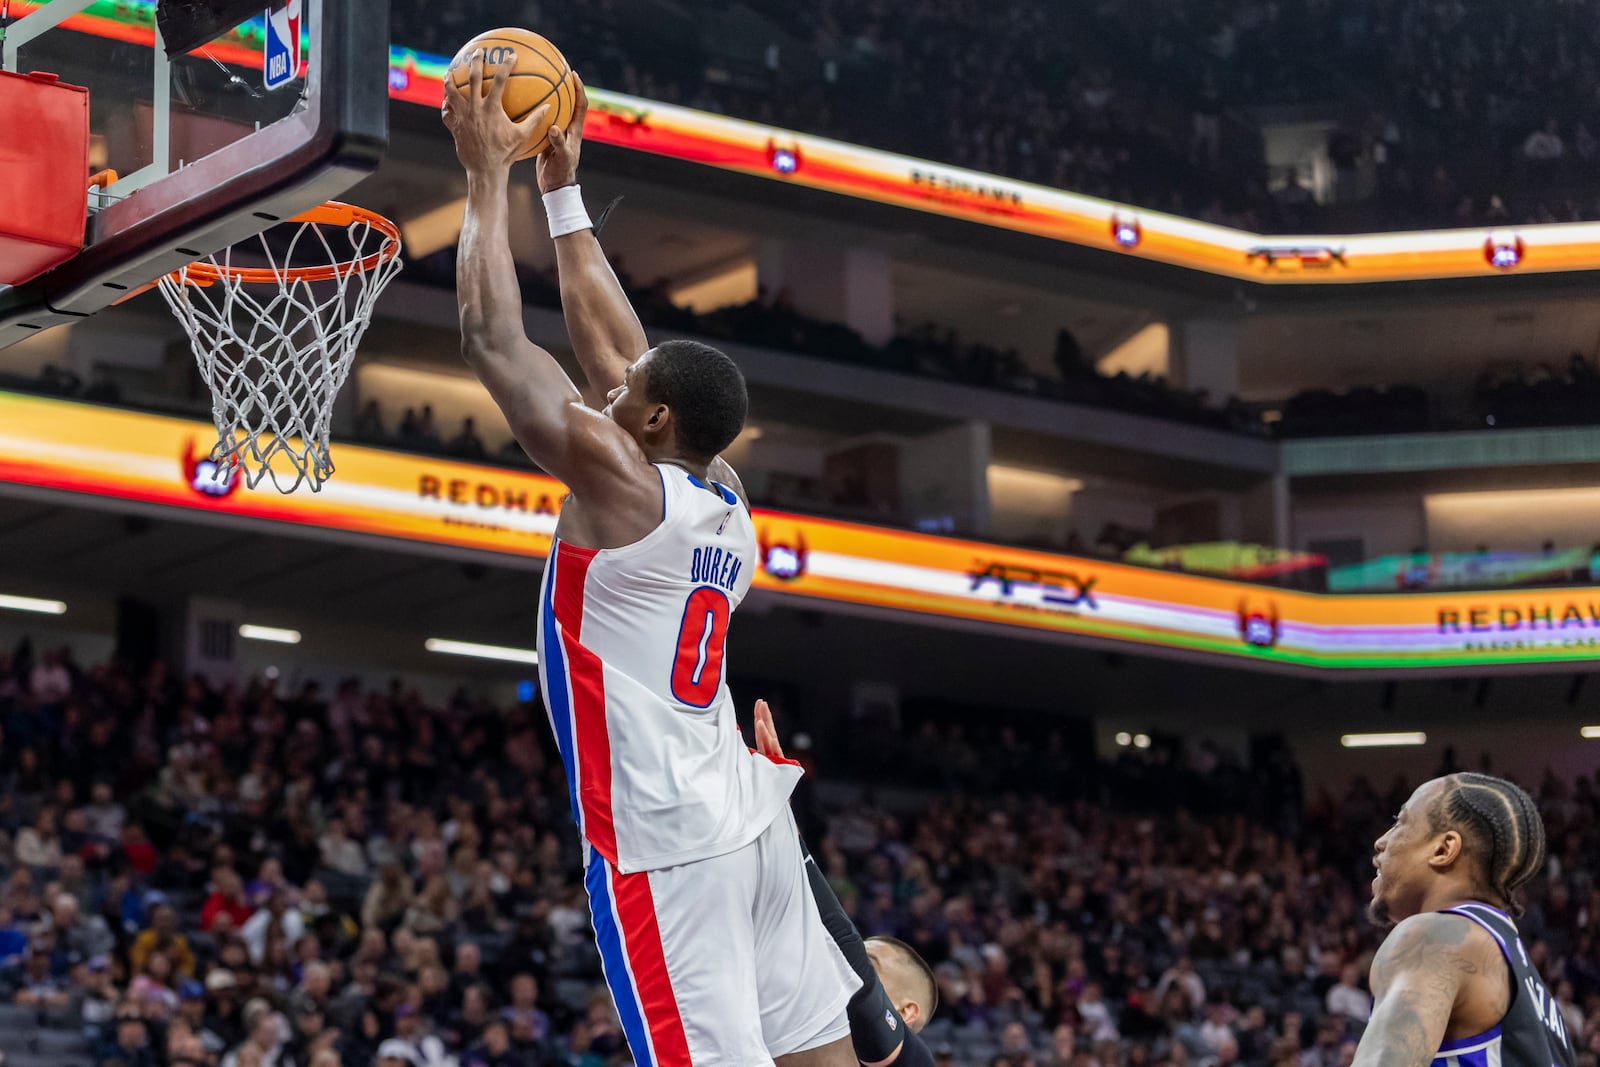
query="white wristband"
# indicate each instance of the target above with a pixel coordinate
(565, 209)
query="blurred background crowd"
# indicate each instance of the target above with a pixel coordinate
(252, 878)
(1431, 113)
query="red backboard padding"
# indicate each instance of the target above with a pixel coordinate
(44, 173)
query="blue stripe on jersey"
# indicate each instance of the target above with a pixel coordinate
(614, 960)
(1478, 1057)
(557, 700)
(1462, 910)
(1488, 1037)
(728, 495)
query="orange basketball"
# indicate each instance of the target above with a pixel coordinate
(540, 75)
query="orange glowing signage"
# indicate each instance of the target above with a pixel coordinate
(154, 459)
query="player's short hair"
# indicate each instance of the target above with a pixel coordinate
(1501, 826)
(705, 391)
(924, 972)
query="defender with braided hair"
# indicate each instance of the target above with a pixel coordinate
(1452, 984)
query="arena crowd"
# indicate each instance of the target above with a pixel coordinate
(250, 878)
(1453, 113)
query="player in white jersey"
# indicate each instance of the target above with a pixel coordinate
(707, 929)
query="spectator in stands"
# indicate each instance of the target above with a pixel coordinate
(137, 853)
(1181, 974)
(265, 1035)
(466, 444)
(433, 910)
(224, 1021)
(530, 1027)
(1544, 146)
(227, 901)
(312, 994)
(369, 424)
(408, 434)
(427, 432)
(97, 993)
(1348, 999)
(388, 899)
(132, 1045)
(493, 1049)
(162, 937)
(396, 1053)
(411, 1029)
(39, 846)
(51, 681)
(274, 921)
(85, 937)
(1216, 1031)
(39, 987)
(467, 973)
(104, 816)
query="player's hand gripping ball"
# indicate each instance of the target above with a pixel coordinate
(537, 75)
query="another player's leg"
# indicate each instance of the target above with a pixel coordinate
(838, 1053)
(805, 983)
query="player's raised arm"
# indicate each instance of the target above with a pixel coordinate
(560, 432)
(605, 332)
(1417, 977)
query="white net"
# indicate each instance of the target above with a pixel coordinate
(275, 338)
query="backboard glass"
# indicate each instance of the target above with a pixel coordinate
(206, 153)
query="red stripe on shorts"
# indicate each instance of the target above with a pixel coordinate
(641, 940)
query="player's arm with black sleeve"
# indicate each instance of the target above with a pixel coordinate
(878, 1032)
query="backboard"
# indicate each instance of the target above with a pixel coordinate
(259, 120)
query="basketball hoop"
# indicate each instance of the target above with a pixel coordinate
(274, 336)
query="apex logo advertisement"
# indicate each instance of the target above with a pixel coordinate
(1050, 590)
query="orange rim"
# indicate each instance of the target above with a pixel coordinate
(333, 213)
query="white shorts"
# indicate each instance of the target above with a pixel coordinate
(720, 962)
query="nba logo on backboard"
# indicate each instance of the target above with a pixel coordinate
(282, 64)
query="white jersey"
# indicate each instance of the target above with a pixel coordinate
(631, 645)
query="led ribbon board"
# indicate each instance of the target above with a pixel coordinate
(153, 459)
(886, 178)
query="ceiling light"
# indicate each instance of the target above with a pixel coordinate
(28, 603)
(1141, 740)
(1591, 732)
(269, 633)
(468, 648)
(1124, 739)
(1383, 740)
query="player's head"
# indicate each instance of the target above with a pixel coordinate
(906, 978)
(1461, 837)
(681, 398)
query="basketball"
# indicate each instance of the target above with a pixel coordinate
(540, 74)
